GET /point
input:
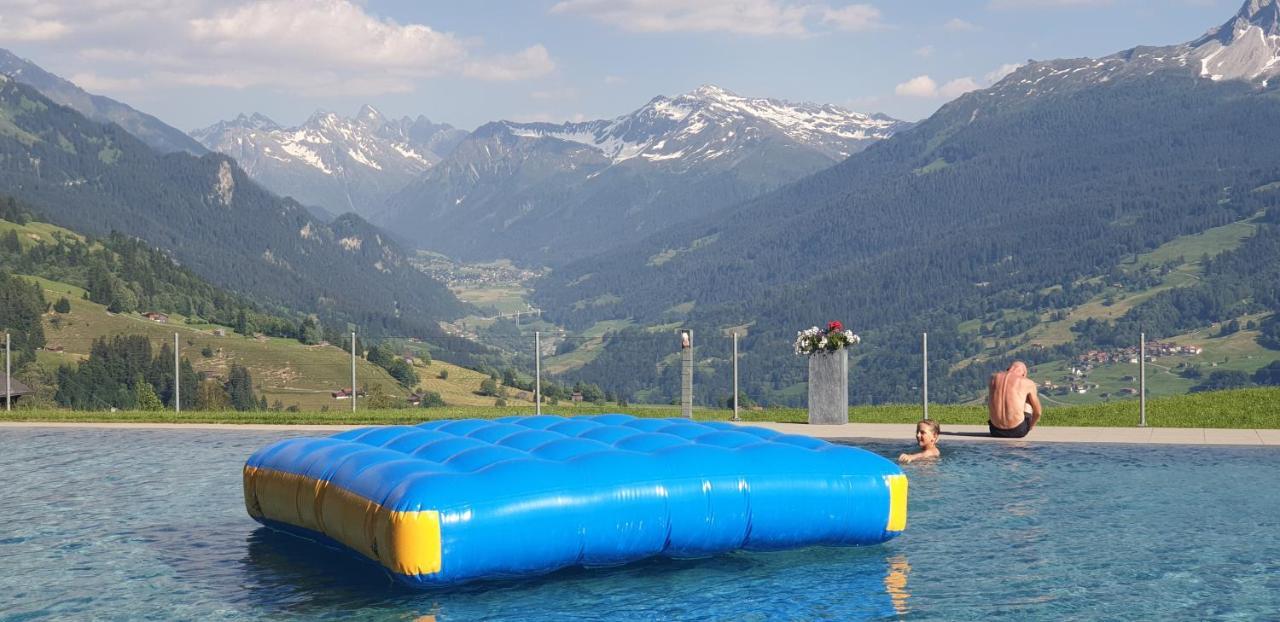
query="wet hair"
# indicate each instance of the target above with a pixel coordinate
(932, 424)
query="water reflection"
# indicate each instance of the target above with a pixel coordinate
(895, 583)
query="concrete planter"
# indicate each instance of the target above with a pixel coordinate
(829, 388)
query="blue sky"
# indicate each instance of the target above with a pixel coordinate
(194, 62)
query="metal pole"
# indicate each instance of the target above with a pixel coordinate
(686, 376)
(353, 371)
(177, 378)
(924, 385)
(735, 376)
(8, 375)
(537, 372)
(1142, 379)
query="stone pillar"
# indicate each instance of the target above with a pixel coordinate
(829, 387)
(686, 374)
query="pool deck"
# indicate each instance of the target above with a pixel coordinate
(852, 431)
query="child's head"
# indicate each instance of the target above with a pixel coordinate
(927, 432)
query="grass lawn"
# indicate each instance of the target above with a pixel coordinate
(1245, 408)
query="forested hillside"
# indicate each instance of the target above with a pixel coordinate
(999, 202)
(98, 178)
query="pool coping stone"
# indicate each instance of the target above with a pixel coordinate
(849, 431)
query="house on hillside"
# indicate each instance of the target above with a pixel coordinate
(345, 393)
(156, 316)
(219, 332)
(415, 399)
(16, 389)
(577, 396)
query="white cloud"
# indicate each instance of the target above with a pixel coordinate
(852, 18)
(1000, 72)
(926, 87)
(614, 80)
(299, 45)
(919, 86)
(958, 87)
(554, 94)
(956, 24)
(95, 83)
(745, 17)
(924, 52)
(28, 28)
(1035, 4)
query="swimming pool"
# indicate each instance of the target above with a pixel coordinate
(116, 524)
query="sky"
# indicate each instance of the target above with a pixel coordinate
(466, 62)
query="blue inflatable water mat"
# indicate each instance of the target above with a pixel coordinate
(452, 501)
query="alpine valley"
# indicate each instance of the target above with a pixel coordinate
(545, 194)
(1060, 212)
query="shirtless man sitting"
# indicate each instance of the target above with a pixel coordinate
(1012, 394)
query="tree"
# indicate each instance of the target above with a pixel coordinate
(443, 375)
(488, 387)
(63, 305)
(310, 331)
(242, 323)
(1269, 375)
(1223, 379)
(239, 388)
(211, 395)
(145, 396)
(432, 399)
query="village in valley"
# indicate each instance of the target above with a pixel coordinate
(1076, 379)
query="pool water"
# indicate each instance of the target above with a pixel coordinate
(116, 524)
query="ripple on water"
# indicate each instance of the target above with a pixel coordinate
(118, 524)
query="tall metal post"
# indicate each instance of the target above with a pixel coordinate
(537, 372)
(924, 384)
(1142, 380)
(735, 376)
(177, 378)
(686, 374)
(354, 392)
(8, 375)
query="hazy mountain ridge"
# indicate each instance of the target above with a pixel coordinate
(147, 128)
(341, 164)
(546, 193)
(98, 178)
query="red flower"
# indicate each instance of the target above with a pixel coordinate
(835, 327)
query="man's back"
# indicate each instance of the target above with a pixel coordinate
(1010, 395)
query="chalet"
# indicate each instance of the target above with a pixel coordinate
(345, 393)
(415, 399)
(1128, 391)
(16, 389)
(576, 397)
(219, 332)
(156, 316)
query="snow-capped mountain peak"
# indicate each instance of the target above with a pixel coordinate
(1245, 48)
(712, 122)
(359, 160)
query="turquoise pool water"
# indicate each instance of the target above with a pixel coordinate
(110, 524)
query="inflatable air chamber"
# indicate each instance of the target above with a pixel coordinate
(447, 502)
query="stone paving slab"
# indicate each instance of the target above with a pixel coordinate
(864, 431)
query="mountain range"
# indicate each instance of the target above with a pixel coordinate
(543, 193)
(338, 164)
(1020, 201)
(97, 178)
(150, 130)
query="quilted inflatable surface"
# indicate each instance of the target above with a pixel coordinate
(447, 502)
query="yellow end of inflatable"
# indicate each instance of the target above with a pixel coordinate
(897, 502)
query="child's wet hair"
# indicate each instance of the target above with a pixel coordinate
(932, 424)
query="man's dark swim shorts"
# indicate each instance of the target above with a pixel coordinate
(1018, 432)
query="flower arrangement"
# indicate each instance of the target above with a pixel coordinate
(833, 338)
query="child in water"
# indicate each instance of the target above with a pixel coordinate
(927, 432)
